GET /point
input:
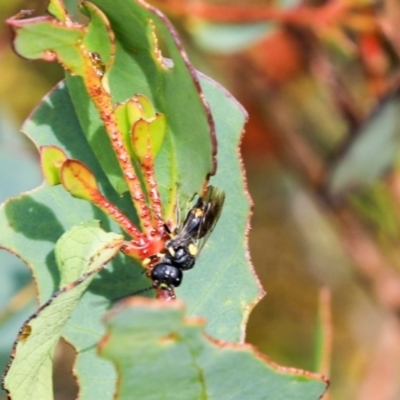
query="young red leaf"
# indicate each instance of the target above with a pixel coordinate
(79, 180)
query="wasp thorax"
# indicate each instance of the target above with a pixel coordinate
(182, 257)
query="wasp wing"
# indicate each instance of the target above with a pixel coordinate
(213, 202)
(201, 219)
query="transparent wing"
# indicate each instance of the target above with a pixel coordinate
(201, 219)
(213, 202)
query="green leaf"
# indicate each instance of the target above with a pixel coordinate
(84, 249)
(78, 180)
(47, 39)
(147, 138)
(159, 353)
(58, 10)
(74, 46)
(100, 37)
(222, 287)
(126, 114)
(51, 159)
(147, 106)
(81, 252)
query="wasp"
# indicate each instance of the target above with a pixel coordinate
(183, 246)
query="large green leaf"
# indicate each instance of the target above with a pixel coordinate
(80, 253)
(223, 270)
(159, 353)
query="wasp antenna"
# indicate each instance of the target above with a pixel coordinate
(131, 294)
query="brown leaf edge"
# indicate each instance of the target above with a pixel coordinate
(261, 291)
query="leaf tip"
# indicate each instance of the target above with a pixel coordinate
(51, 161)
(78, 180)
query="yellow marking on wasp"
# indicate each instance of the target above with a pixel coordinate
(198, 212)
(193, 250)
(171, 251)
(146, 262)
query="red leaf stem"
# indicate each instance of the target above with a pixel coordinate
(102, 101)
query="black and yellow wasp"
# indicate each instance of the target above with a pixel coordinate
(166, 269)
